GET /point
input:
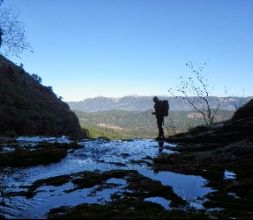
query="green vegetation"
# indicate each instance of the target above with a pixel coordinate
(120, 124)
(94, 131)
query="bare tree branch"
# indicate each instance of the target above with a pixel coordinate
(13, 39)
(198, 86)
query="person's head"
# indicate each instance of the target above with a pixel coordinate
(155, 99)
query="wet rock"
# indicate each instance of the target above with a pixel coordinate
(244, 112)
(129, 208)
(90, 179)
(41, 154)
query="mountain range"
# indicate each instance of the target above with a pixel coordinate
(144, 103)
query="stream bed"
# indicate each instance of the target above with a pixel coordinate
(98, 155)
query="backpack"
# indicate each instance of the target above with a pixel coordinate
(164, 108)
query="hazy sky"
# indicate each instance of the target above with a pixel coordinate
(87, 48)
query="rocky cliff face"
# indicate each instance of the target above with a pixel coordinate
(29, 108)
(245, 112)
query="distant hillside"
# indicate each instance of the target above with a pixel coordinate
(120, 124)
(144, 103)
(29, 108)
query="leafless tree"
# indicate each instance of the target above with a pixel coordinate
(13, 39)
(196, 91)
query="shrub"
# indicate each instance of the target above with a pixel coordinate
(36, 78)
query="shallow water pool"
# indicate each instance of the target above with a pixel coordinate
(97, 155)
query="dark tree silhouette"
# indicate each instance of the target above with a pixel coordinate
(13, 39)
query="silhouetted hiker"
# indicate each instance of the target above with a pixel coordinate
(161, 110)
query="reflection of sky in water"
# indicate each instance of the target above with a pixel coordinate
(7, 149)
(159, 200)
(229, 175)
(185, 186)
(39, 139)
(188, 187)
(99, 155)
(49, 197)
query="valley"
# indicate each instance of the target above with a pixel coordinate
(122, 124)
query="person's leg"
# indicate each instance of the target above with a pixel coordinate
(161, 133)
(160, 127)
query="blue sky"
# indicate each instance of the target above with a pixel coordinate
(88, 48)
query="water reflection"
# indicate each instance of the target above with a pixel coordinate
(161, 144)
(159, 200)
(188, 187)
(49, 197)
(97, 155)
